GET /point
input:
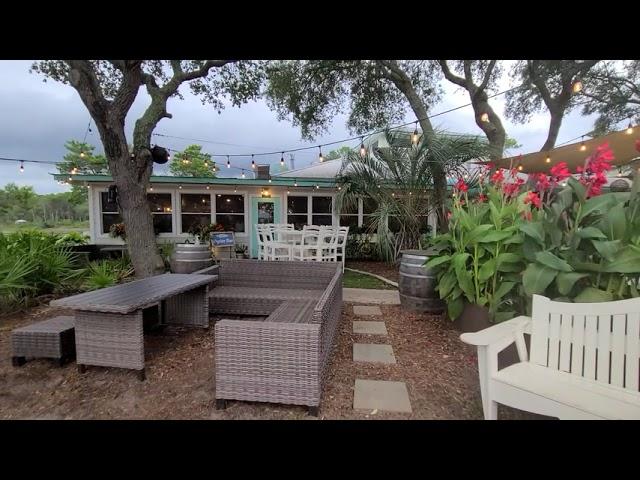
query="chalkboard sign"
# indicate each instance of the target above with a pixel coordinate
(222, 239)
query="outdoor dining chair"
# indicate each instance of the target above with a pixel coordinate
(309, 246)
(328, 242)
(341, 244)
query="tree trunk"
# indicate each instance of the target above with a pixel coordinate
(493, 129)
(554, 129)
(133, 206)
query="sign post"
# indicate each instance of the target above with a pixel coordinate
(223, 242)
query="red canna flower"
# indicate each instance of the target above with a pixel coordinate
(448, 215)
(498, 177)
(482, 198)
(533, 199)
(593, 175)
(560, 171)
(527, 215)
(511, 189)
(542, 182)
(461, 186)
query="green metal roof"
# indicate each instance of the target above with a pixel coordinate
(284, 181)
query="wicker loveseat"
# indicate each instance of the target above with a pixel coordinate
(283, 358)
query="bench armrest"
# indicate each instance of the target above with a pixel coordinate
(499, 332)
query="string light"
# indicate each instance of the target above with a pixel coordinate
(253, 162)
(74, 170)
(282, 160)
(21, 167)
(81, 153)
(548, 159)
(363, 150)
(583, 146)
(577, 86)
(180, 187)
(269, 178)
(151, 188)
(520, 167)
(295, 183)
(208, 187)
(629, 129)
(243, 175)
(320, 157)
(484, 117)
(414, 137)
(235, 189)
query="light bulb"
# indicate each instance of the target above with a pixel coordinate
(269, 179)
(180, 187)
(81, 153)
(484, 117)
(630, 129)
(548, 159)
(228, 162)
(288, 191)
(320, 157)
(583, 147)
(295, 184)
(235, 189)
(520, 167)
(21, 167)
(363, 150)
(208, 187)
(577, 86)
(339, 187)
(282, 160)
(151, 189)
(243, 176)
(414, 137)
(253, 163)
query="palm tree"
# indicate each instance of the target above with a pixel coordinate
(398, 180)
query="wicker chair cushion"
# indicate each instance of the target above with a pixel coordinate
(257, 293)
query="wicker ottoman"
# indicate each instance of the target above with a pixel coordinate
(52, 338)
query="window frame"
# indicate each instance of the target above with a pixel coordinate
(309, 195)
(211, 207)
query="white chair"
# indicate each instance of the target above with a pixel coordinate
(274, 250)
(341, 247)
(309, 247)
(583, 362)
(328, 242)
(261, 236)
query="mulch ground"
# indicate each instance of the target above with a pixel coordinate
(440, 373)
(389, 271)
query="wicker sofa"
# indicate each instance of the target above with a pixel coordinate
(284, 357)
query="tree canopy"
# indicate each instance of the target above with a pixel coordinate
(192, 162)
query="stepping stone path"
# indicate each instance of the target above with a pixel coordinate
(376, 395)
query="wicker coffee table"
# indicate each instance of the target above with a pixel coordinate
(109, 321)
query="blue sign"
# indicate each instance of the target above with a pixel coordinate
(222, 239)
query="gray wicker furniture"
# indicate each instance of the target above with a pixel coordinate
(109, 321)
(284, 358)
(51, 338)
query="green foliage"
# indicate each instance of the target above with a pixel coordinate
(480, 259)
(338, 152)
(398, 180)
(33, 263)
(106, 273)
(202, 231)
(81, 159)
(192, 162)
(584, 250)
(359, 246)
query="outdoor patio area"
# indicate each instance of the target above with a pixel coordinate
(439, 372)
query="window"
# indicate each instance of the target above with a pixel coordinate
(321, 211)
(369, 206)
(109, 211)
(196, 210)
(230, 212)
(349, 216)
(297, 210)
(160, 205)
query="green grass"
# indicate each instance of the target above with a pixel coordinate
(358, 280)
(62, 228)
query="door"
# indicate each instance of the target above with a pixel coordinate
(263, 210)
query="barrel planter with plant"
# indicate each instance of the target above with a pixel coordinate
(190, 257)
(416, 284)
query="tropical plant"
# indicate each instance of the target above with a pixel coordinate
(585, 246)
(399, 181)
(479, 259)
(106, 273)
(202, 230)
(117, 230)
(73, 238)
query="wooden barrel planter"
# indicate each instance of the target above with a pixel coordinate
(417, 284)
(190, 257)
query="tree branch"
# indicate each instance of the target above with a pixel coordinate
(487, 75)
(449, 75)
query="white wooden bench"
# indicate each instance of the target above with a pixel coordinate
(583, 364)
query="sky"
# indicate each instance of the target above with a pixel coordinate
(36, 118)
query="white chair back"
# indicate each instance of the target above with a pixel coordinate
(597, 341)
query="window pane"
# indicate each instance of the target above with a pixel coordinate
(159, 202)
(195, 203)
(231, 223)
(265, 212)
(321, 205)
(190, 220)
(322, 220)
(106, 206)
(369, 206)
(297, 205)
(162, 223)
(394, 224)
(349, 221)
(350, 209)
(230, 204)
(298, 221)
(109, 219)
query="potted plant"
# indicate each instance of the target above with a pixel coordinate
(242, 251)
(478, 263)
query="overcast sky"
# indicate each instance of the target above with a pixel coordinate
(37, 117)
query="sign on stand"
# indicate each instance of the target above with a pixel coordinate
(223, 244)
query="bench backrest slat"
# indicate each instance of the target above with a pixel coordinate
(597, 341)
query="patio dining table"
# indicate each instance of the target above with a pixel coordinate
(109, 322)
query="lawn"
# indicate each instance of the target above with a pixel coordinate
(60, 228)
(358, 280)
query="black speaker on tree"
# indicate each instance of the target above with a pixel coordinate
(159, 154)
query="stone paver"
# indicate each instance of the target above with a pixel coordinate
(367, 352)
(367, 310)
(381, 395)
(371, 295)
(369, 328)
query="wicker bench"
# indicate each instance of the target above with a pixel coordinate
(284, 358)
(52, 338)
